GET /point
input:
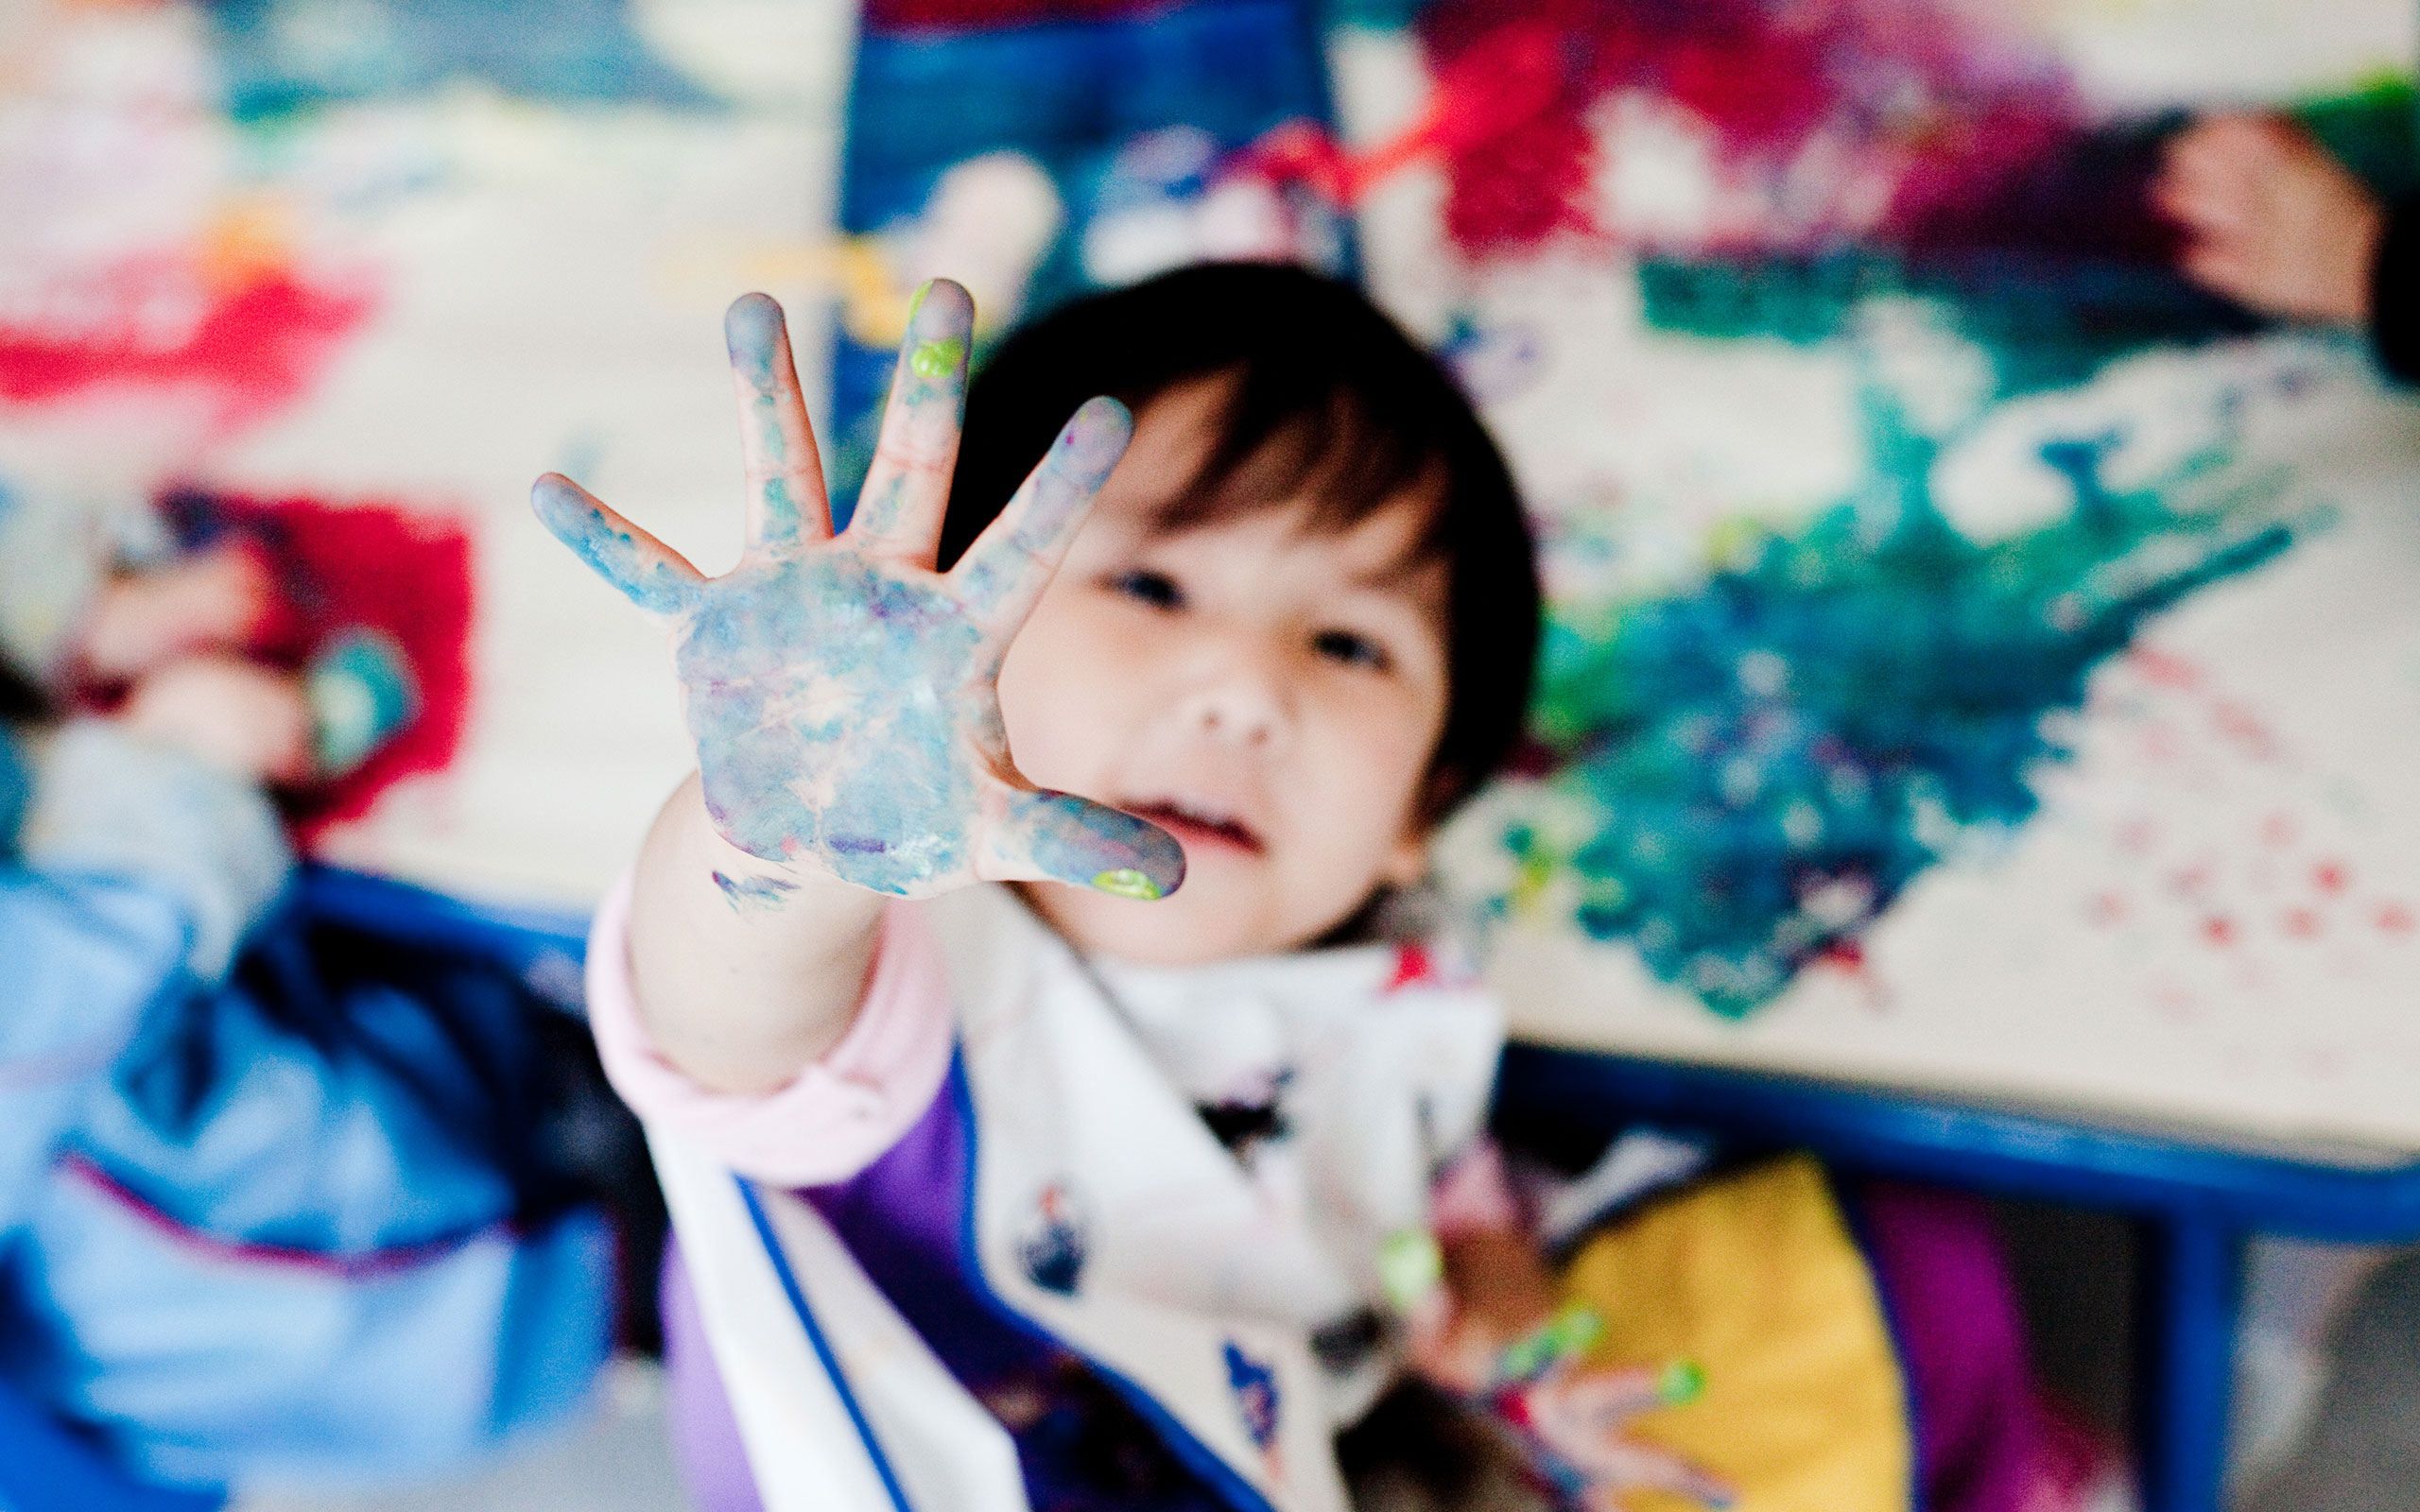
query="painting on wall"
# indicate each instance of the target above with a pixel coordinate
(1980, 657)
(351, 272)
(1037, 149)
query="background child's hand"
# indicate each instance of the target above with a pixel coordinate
(2272, 220)
(1578, 1417)
(840, 690)
(243, 718)
(213, 598)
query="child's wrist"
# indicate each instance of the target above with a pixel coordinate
(755, 885)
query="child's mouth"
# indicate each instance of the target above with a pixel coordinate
(1197, 825)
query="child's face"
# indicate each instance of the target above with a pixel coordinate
(1268, 695)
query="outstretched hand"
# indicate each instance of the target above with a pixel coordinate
(1572, 1424)
(1579, 1418)
(841, 691)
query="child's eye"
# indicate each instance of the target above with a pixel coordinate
(1345, 647)
(1146, 587)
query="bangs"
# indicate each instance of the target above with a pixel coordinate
(1283, 442)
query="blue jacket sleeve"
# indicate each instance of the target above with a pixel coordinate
(84, 959)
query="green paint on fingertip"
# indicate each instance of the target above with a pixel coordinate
(1568, 1334)
(1125, 881)
(916, 300)
(1410, 1267)
(937, 359)
(1681, 1382)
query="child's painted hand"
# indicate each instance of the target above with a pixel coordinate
(1576, 1417)
(840, 690)
(2271, 220)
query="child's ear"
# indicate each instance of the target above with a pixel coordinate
(1407, 862)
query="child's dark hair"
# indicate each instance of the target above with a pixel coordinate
(1329, 400)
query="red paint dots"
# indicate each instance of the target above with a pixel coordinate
(2395, 918)
(2277, 830)
(2330, 877)
(2106, 909)
(2219, 930)
(2245, 727)
(2302, 923)
(2166, 670)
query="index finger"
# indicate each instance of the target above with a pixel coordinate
(786, 496)
(1011, 562)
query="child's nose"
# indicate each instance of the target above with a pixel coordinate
(1240, 703)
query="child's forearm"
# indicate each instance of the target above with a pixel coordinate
(744, 971)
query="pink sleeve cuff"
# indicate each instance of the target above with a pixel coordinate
(835, 1117)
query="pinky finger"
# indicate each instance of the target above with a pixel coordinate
(1045, 837)
(646, 572)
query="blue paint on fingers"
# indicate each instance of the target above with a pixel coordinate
(753, 892)
(640, 567)
(1007, 568)
(754, 334)
(1089, 845)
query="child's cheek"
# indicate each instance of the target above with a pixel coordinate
(1050, 683)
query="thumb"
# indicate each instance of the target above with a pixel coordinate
(1045, 836)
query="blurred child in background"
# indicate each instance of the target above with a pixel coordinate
(272, 1209)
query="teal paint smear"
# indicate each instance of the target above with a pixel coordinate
(1770, 757)
(2047, 321)
(753, 330)
(277, 58)
(2374, 130)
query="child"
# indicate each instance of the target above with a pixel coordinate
(260, 1218)
(171, 784)
(1063, 1184)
